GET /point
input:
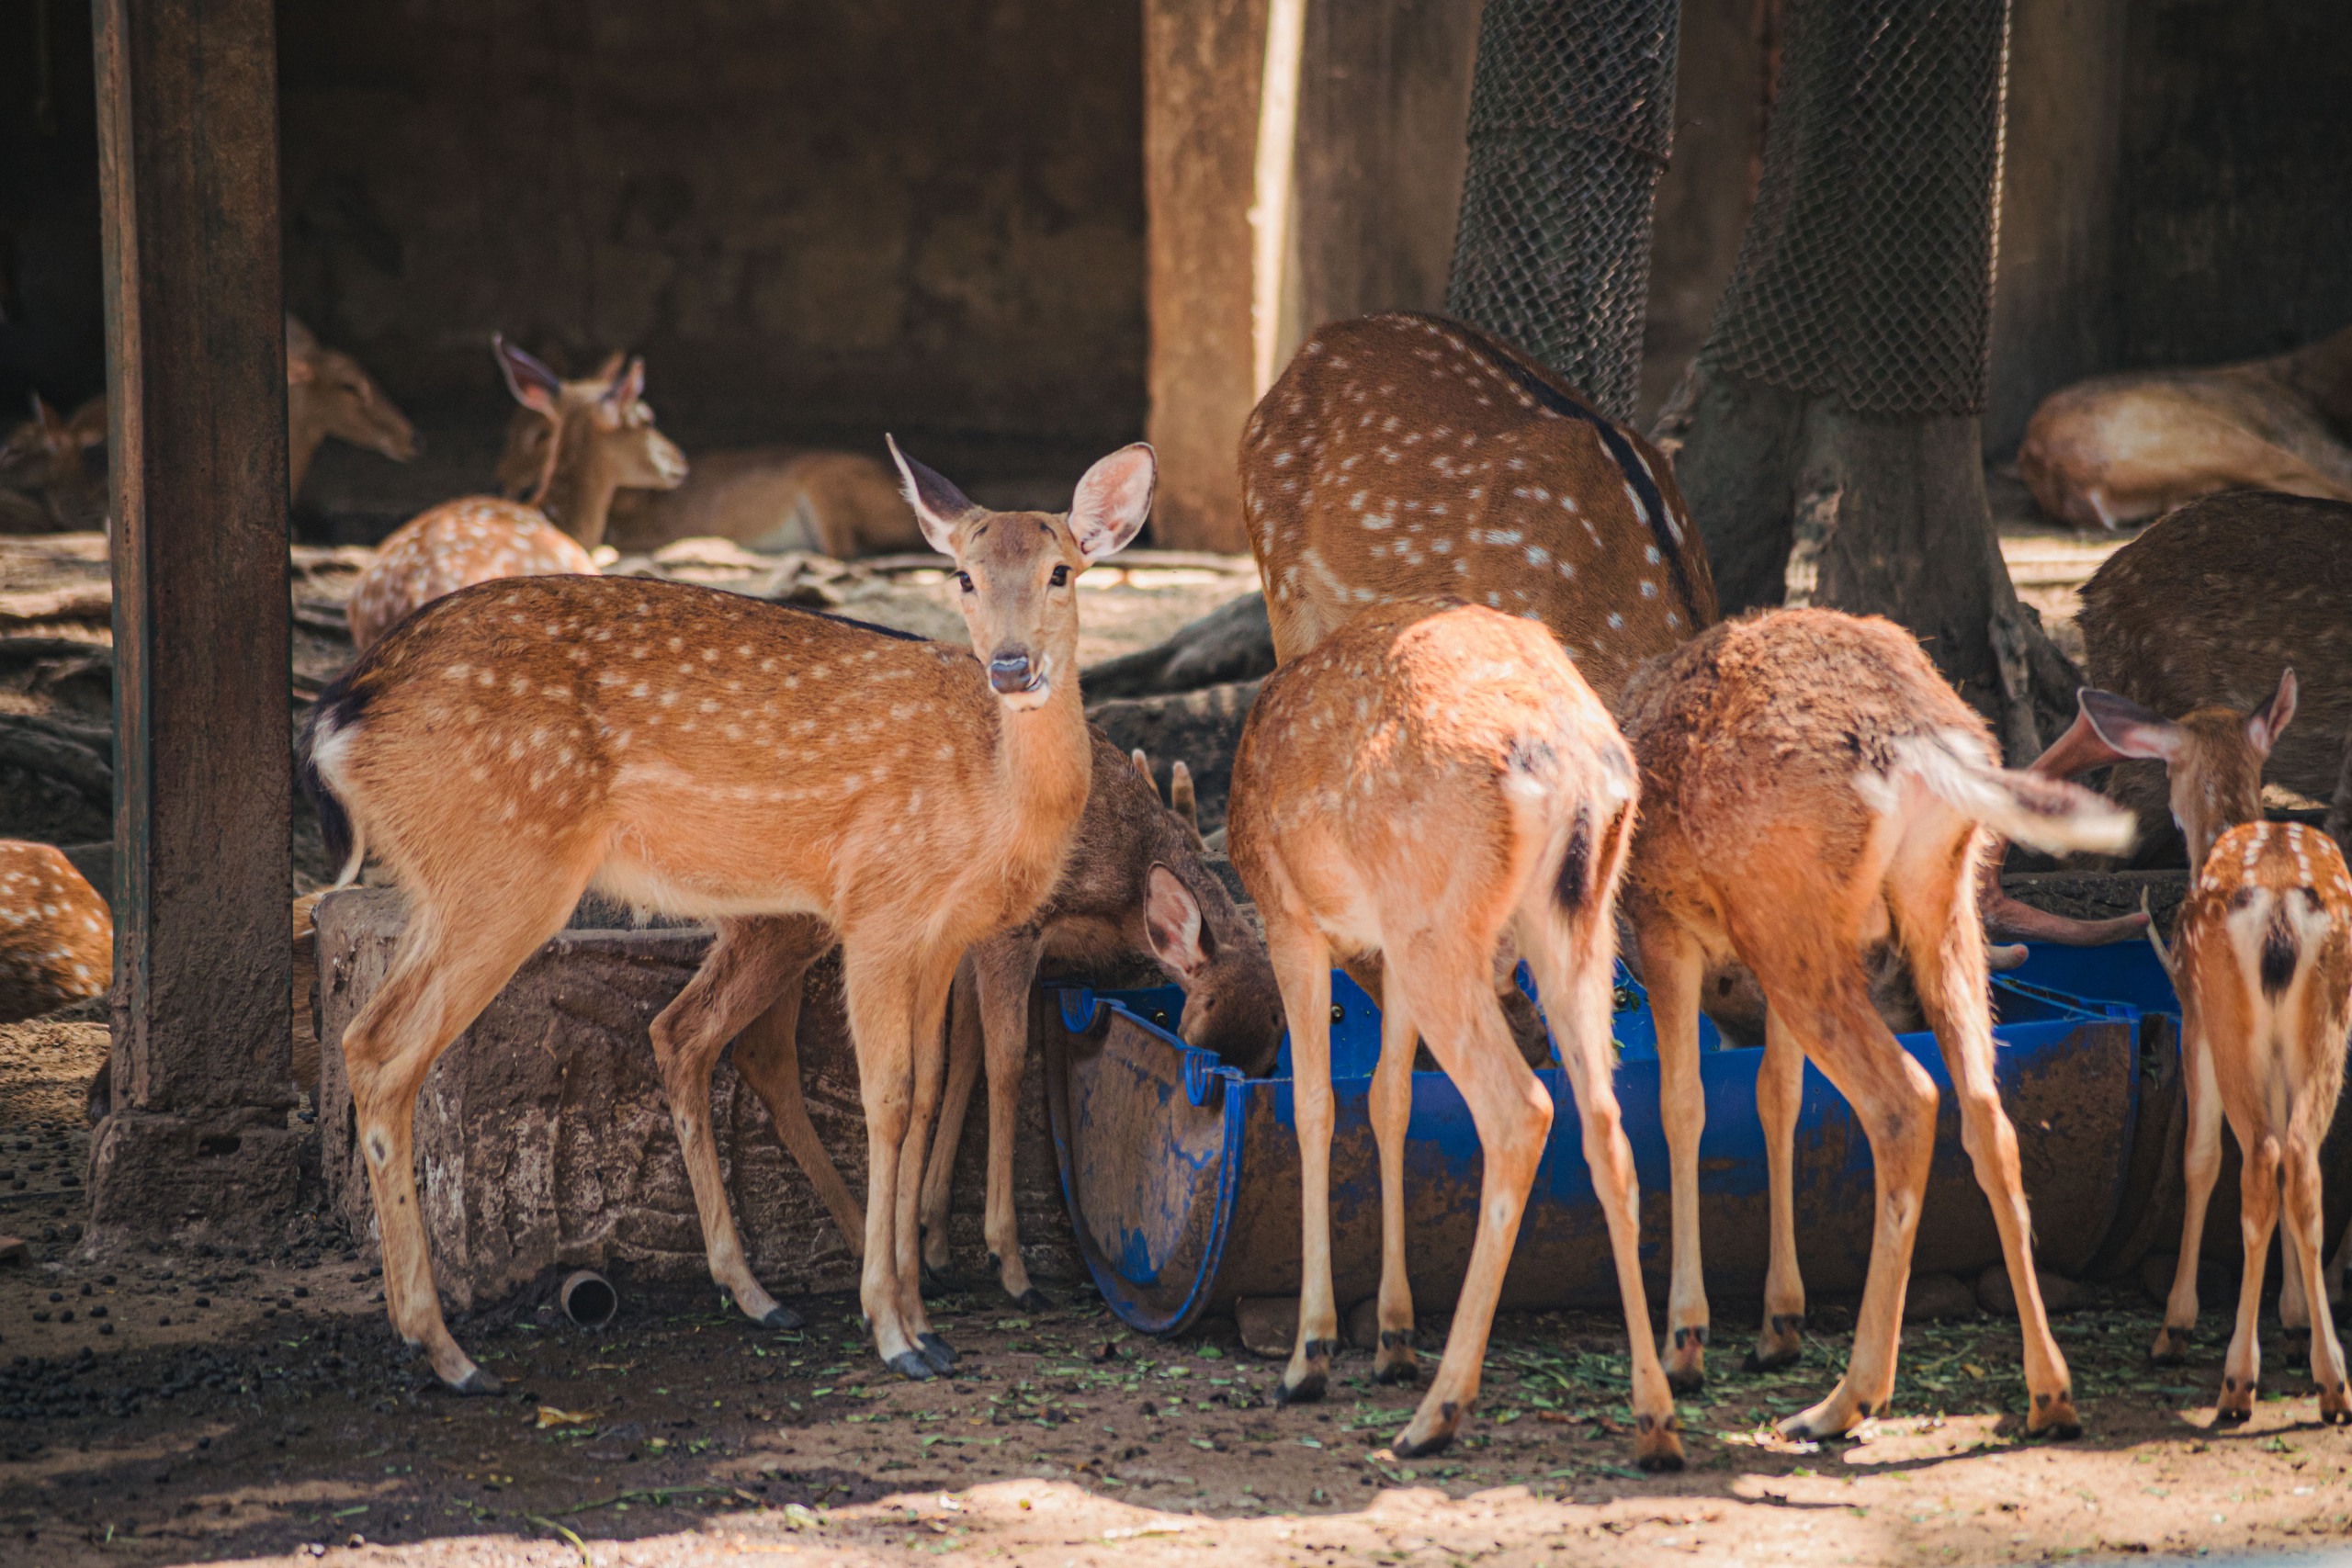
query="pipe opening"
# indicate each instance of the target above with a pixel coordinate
(589, 1298)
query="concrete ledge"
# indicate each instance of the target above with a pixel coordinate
(543, 1140)
(236, 1173)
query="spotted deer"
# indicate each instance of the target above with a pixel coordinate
(56, 932)
(713, 756)
(764, 498)
(1810, 760)
(328, 394)
(605, 441)
(1135, 887)
(1428, 781)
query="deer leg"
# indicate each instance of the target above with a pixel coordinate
(2311, 1116)
(767, 1055)
(2257, 1216)
(1004, 973)
(441, 979)
(928, 1067)
(2201, 1167)
(1302, 962)
(1444, 982)
(1779, 1096)
(881, 996)
(748, 965)
(1392, 1114)
(2294, 1313)
(1946, 946)
(1574, 964)
(1672, 968)
(964, 1048)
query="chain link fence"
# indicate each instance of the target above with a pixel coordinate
(1866, 270)
(1571, 115)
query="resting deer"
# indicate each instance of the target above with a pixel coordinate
(56, 933)
(712, 756)
(1811, 788)
(1430, 779)
(605, 441)
(2118, 448)
(1135, 885)
(46, 461)
(764, 498)
(2201, 610)
(328, 394)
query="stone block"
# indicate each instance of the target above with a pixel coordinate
(544, 1142)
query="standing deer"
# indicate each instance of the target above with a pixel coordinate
(2115, 449)
(1430, 778)
(2201, 611)
(605, 441)
(1135, 885)
(712, 756)
(328, 394)
(1812, 788)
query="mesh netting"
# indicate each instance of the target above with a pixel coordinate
(1865, 272)
(1571, 114)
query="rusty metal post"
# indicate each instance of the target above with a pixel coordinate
(188, 155)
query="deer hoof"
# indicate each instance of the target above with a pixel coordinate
(1408, 1447)
(1758, 1361)
(911, 1366)
(1308, 1390)
(780, 1316)
(2171, 1348)
(1033, 1300)
(476, 1381)
(1661, 1462)
(937, 1351)
(1686, 1380)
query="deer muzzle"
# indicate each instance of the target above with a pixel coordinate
(1014, 673)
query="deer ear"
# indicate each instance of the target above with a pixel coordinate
(1171, 918)
(939, 506)
(1184, 804)
(88, 425)
(534, 385)
(299, 338)
(1112, 501)
(611, 367)
(1142, 761)
(2129, 729)
(628, 387)
(2262, 724)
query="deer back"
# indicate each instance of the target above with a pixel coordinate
(1403, 456)
(56, 933)
(454, 545)
(2204, 609)
(2268, 923)
(843, 505)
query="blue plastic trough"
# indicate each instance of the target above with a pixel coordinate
(1183, 1176)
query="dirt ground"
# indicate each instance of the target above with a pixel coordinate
(196, 1404)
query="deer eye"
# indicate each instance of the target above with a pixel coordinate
(1061, 576)
(965, 579)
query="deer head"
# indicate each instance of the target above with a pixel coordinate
(1018, 570)
(328, 394)
(603, 440)
(2212, 756)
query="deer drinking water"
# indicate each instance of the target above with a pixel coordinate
(712, 756)
(1812, 788)
(1428, 779)
(605, 441)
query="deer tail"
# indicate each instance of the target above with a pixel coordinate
(2048, 814)
(322, 736)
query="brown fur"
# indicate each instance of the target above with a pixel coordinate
(2118, 448)
(708, 755)
(1808, 761)
(47, 462)
(1403, 457)
(2203, 609)
(328, 394)
(1428, 779)
(56, 932)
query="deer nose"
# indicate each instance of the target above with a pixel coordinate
(1011, 672)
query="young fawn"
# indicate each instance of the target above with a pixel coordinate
(1431, 779)
(709, 755)
(605, 441)
(1811, 788)
(1135, 885)
(2261, 959)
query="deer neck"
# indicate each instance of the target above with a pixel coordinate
(577, 495)
(1044, 767)
(304, 436)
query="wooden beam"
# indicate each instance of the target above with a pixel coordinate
(188, 116)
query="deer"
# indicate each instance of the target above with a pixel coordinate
(46, 462)
(605, 441)
(764, 498)
(56, 932)
(2200, 612)
(328, 394)
(1430, 779)
(2115, 449)
(712, 756)
(2261, 959)
(1810, 760)
(1136, 885)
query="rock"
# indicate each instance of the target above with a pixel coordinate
(1233, 642)
(1937, 1298)
(2156, 1270)
(1269, 1324)
(1363, 1324)
(2059, 1294)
